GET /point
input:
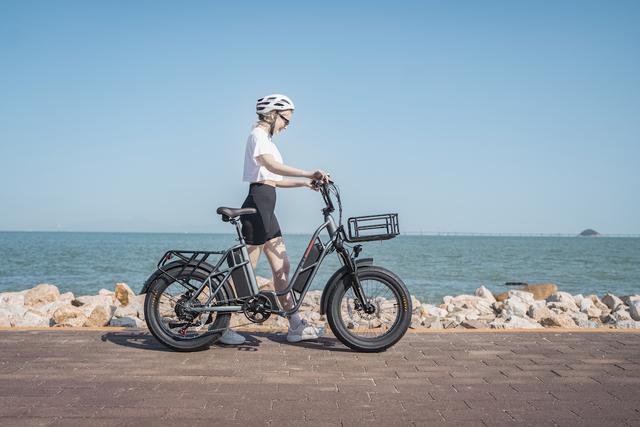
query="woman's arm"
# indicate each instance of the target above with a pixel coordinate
(269, 162)
(292, 183)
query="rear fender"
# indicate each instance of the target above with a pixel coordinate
(338, 276)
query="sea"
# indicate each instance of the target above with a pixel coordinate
(430, 266)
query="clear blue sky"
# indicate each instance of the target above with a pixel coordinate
(461, 116)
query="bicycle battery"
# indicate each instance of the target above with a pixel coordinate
(312, 257)
(239, 276)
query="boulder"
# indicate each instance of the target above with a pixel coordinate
(124, 294)
(578, 299)
(5, 318)
(31, 318)
(514, 322)
(99, 316)
(563, 306)
(537, 312)
(12, 298)
(264, 283)
(475, 324)
(562, 320)
(485, 293)
(629, 299)
(628, 324)
(514, 307)
(540, 291)
(589, 308)
(634, 310)
(126, 322)
(41, 295)
(563, 297)
(612, 302)
(598, 303)
(68, 315)
(432, 310)
(525, 297)
(620, 315)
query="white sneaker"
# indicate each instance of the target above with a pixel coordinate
(304, 332)
(230, 337)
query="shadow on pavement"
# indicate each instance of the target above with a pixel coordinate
(143, 340)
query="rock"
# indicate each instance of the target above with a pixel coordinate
(525, 297)
(416, 321)
(68, 315)
(540, 291)
(436, 325)
(41, 295)
(538, 313)
(563, 307)
(475, 324)
(124, 293)
(485, 293)
(126, 322)
(5, 318)
(598, 303)
(562, 320)
(579, 317)
(432, 310)
(588, 324)
(447, 299)
(131, 310)
(634, 310)
(563, 297)
(620, 315)
(514, 307)
(99, 316)
(628, 324)
(629, 299)
(612, 302)
(514, 322)
(12, 298)
(588, 307)
(31, 318)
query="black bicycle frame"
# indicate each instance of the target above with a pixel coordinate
(192, 260)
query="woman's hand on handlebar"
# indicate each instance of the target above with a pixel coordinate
(320, 175)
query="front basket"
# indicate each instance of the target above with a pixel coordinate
(373, 227)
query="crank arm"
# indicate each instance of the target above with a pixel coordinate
(221, 308)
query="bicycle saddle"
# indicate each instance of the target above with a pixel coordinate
(234, 212)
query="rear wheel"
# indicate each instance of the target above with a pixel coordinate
(388, 318)
(168, 315)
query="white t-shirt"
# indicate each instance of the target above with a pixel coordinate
(259, 143)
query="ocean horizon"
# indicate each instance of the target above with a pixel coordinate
(431, 266)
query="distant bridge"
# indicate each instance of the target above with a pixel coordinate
(468, 233)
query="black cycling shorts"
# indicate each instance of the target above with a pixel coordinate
(263, 225)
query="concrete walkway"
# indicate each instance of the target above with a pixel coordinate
(96, 378)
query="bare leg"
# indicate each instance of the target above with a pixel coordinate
(276, 253)
(254, 254)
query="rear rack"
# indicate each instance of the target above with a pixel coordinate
(373, 227)
(192, 260)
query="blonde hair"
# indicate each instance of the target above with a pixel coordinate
(269, 119)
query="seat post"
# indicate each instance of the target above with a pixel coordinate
(238, 230)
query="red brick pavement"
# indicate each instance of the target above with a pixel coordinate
(96, 378)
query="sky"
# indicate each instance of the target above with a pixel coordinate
(493, 116)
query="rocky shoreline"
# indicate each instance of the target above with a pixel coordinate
(532, 306)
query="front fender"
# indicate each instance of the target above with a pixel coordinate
(170, 266)
(335, 278)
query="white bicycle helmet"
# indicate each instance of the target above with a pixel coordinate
(274, 102)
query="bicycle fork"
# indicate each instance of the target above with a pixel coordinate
(352, 267)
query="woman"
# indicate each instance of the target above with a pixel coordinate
(264, 170)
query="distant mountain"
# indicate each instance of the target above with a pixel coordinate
(589, 233)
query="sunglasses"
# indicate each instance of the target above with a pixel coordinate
(284, 119)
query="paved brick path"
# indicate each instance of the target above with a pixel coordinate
(96, 378)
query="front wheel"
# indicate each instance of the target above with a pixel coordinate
(389, 314)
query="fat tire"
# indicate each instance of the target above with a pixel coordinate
(187, 345)
(370, 345)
